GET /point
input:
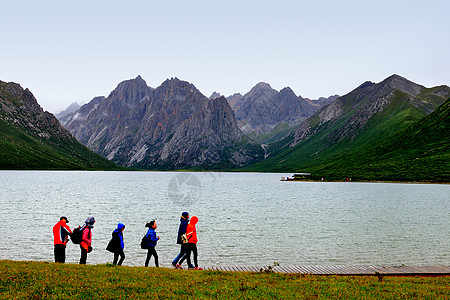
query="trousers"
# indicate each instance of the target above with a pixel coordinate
(60, 253)
(151, 252)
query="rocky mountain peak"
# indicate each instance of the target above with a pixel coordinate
(23, 98)
(130, 91)
(365, 85)
(72, 108)
(402, 84)
(262, 86)
(261, 92)
(215, 95)
(287, 92)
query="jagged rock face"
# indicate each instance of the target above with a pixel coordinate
(263, 108)
(173, 126)
(20, 107)
(362, 104)
(235, 101)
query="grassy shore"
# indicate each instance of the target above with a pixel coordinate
(41, 280)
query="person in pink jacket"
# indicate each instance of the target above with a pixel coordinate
(86, 239)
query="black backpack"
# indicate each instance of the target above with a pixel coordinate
(144, 242)
(77, 235)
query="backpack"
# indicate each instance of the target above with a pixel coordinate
(144, 242)
(77, 235)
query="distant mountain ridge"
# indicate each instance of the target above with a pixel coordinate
(171, 127)
(367, 100)
(33, 139)
(353, 122)
(69, 110)
(263, 108)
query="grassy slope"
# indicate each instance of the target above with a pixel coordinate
(420, 152)
(40, 280)
(19, 150)
(349, 158)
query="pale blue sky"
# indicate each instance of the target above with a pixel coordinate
(66, 51)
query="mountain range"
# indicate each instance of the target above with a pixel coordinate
(171, 127)
(174, 126)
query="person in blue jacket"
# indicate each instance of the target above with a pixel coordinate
(152, 240)
(116, 244)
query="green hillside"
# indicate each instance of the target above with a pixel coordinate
(420, 152)
(21, 151)
(33, 139)
(343, 145)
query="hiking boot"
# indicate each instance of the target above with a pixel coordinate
(177, 266)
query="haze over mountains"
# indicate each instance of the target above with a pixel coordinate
(174, 126)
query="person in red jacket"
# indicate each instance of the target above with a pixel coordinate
(86, 239)
(61, 232)
(191, 233)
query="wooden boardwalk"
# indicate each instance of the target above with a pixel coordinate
(347, 270)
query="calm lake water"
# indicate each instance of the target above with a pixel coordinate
(244, 219)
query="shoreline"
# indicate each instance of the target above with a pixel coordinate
(366, 181)
(216, 171)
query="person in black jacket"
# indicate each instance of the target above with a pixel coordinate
(116, 244)
(184, 221)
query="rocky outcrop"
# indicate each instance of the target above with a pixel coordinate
(20, 107)
(171, 127)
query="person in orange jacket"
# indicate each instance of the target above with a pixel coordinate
(61, 232)
(86, 239)
(191, 233)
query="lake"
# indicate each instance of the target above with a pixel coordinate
(249, 219)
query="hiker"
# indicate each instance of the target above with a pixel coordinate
(184, 220)
(191, 234)
(86, 239)
(116, 244)
(61, 232)
(152, 240)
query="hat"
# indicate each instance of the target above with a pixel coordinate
(185, 214)
(90, 220)
(64, 218)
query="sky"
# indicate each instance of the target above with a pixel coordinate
(71, 51)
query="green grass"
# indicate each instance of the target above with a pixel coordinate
(41, 280)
